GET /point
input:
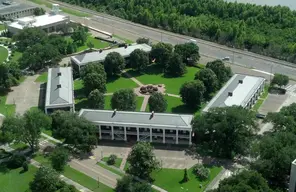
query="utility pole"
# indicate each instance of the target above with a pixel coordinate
(161, 36)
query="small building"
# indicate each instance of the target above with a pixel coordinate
(141, 126)
(59, 90)
(99, 56)
(52, 22)
(292, 184)
(240, 90)
(13, 10)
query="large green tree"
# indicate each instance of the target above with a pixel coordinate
(29, 37)
(142, 160)
(189, 52)
(79, 35)
(157, 102)
(114, 63)
(76, 131)
(222, 72)
(161, 53)
(124, 100)
(227, 131)
(175, 67)
(209, 79)
(59, 158)
(46, 179)
(244, 181)
(96, 100)
(280, 80)
(139, 60)
(192, 93)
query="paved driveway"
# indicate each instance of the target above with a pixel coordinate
(25, 96)
(272, 103)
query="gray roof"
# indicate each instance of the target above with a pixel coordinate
(96, 56)
(241, 92)
(161, 120)
(56, 96)
(13, 7)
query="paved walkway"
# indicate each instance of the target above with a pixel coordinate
(123, 162)
(51, 138)
(145, 102)
(173, 95)
(106, 94)
(132, 78)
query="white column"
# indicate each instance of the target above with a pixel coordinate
(190, 135)
(112, 132)
(163, 136)
(138, 134)
(124, 128)
(177, 136)
(150, 134)
(100, 132)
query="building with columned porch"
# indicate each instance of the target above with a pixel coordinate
(240, 90)
(152, 127)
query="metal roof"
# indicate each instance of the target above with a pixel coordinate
(161, 120)
(96, 56)
(59, 90)
(13, 7)
(241, 92)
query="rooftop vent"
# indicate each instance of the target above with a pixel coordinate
(152, 115)
(114, 112)
(240, 81)
(100, 50)
(230, 94)
(59, 74)
(59, 86)
(125, 46)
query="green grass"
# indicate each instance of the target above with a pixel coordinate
(16, 181)
(16, 56)
(19, 146)
(98, 44)
(261, 99)
(169, 179)
(121, 38)
(47, 132)
(3, 54)
(6, 110)
(66, 10)
(117, 161)
(155, 76)
(119, 82)
(110, 169)
(126, 166)
(22, 79)
(42, 78)
(76, 176)
(2, 27)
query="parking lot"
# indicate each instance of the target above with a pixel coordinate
(272, 103)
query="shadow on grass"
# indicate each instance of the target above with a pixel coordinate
(81, 104)
(79, 93)
(183, 109)
(4, 169)
(151, 70)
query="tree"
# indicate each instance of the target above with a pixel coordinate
(143, 187)
(244, 181)
(68, 188)
(59, 42)
(93, 67)
(285, 120)
(59, 158)
(185, 177)
(29, 37)
(157, 102)
(189, 52)
(25, 166)
(124, 184)
(142, 160)
(227, 131)
(45, 180)
(90, 45)
(114, 63)
(209, 79)
(4, 76)
(111, 159)
(79, 35)
(175, 67)
(39, 11)
(76, 131)
(143, 41)
(96, 100)
(94, 81)
(280, 80)
(274, 154)
(201, 172)
(124, 100)
(27, 129)
(192, 93)
(223, 73)
(139, 60)
(161, 53)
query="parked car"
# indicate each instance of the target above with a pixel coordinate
(260, 116)
(226, 58)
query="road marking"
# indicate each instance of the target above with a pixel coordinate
(263, 72)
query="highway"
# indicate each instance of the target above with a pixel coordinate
(132, 31)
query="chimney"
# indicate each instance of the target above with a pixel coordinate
(230, 94)
(152, 115)
(240, 81)
(59, 73)
(59, 86)
(100, 50)
(125, 46)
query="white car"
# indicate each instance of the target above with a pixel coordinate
(192, 41)
(226, 58)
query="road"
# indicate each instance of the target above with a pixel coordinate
(132, 31)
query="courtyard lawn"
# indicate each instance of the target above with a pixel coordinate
(14, 180)
(16, 56)
(2, 27)
(6, 110)
(19, 146)
(119, 82)
(117, 161)
(154, 75)
(169, 179)
(98, 44)
(108, 102)
(3, 54)
(42, 78)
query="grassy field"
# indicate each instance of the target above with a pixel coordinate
(5, 109)
(19, 146)
(117, 161)
(42, 78)
(3, 54)
(14, 180)
(110, 169)
(169, 179)
(66, 10)
(154, 75)
(98, 44)
(121, 38)
(76, 176)
(119, 82)
(2, 27)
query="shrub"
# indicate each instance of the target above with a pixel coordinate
(155, 89)
(111, 159)
(201, 172)
(25, 166)
(16, 161)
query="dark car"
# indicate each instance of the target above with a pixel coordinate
(260, 116)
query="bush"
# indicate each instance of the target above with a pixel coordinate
(16, 161)
(111, 159)
(201, 172)
(25, 166)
